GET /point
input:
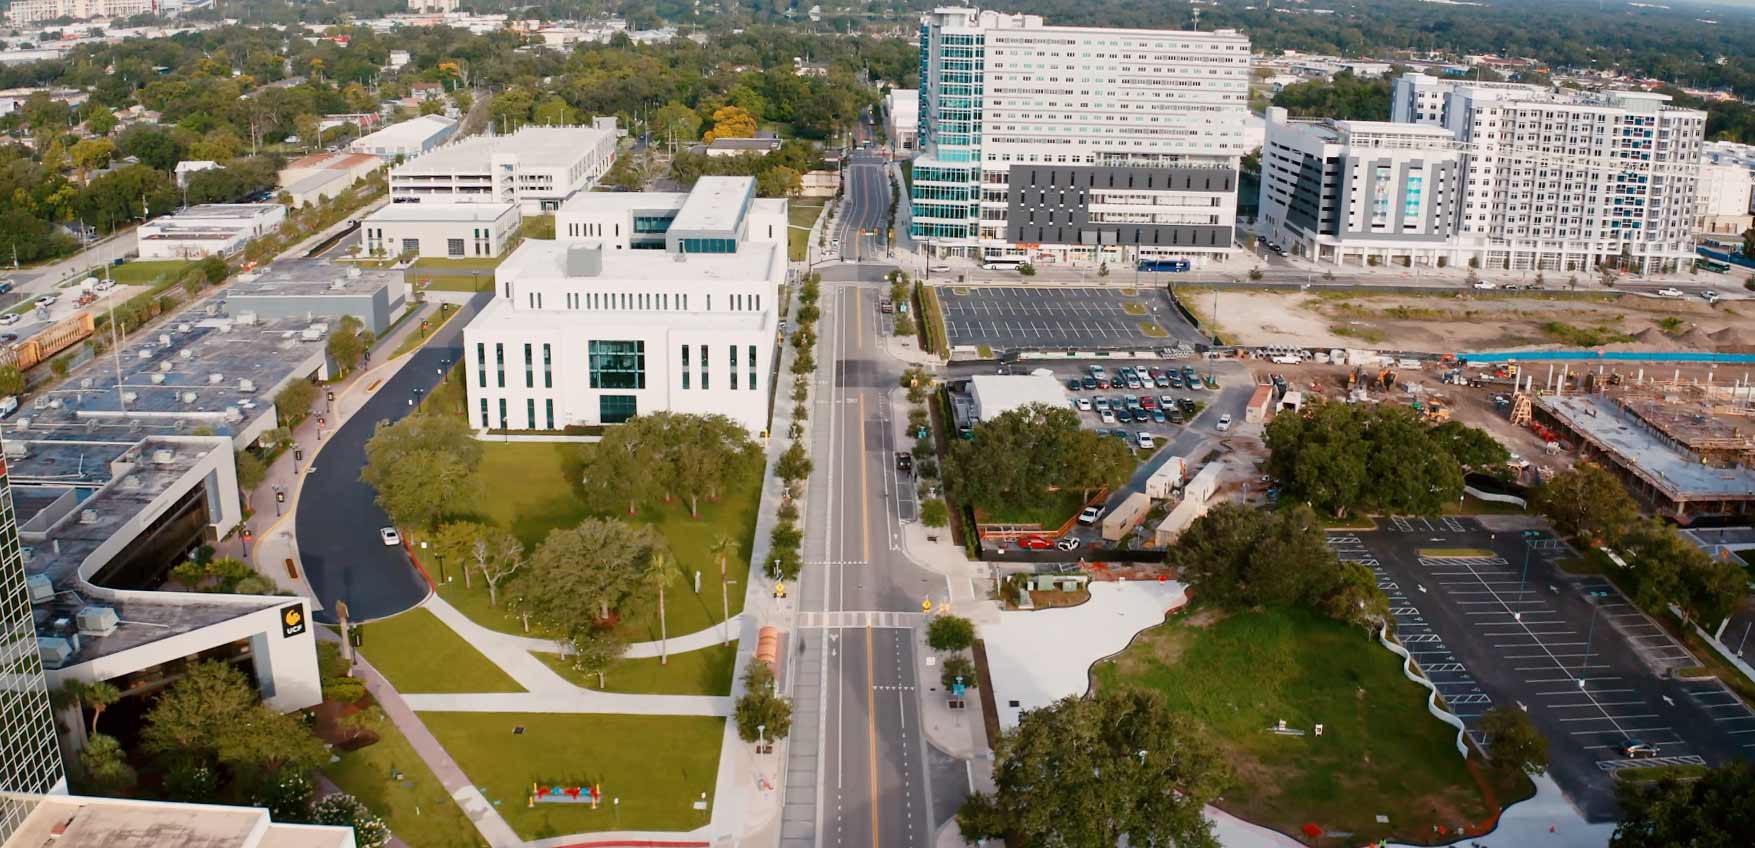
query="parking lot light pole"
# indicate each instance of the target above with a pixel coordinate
(1584, 668)
(1527, 548)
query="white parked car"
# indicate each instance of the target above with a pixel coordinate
(1484, 284)
(1224, 423)
(1090, 515)
(390, 536)
(939, 269)
(47, 299)
(1084, 404)
(1670, 292)
(1107, 416)
(1146, 442)
(9, 318)
(1710, 296)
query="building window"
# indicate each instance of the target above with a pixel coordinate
(481, 367)
(618, 364)
(411, 245)
(752, 367)
(453, 247)
(500, 364)
(485, 423)
(530, 412)
(703, 367)
(734, 367)
(548, 375)
(709, 245)
(529, 369)
(549, 405)
(685, 367)
(502, 413)
(615, 409)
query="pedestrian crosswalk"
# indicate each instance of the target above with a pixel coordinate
(843, 619)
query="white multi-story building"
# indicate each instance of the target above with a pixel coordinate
(31, 11)
(1360, 191)
(1053, 143)
(448, 230)
(644, 302)
(537, 167)
(432, 5)
(1563, 181)
(902, 105)
(1727, 189)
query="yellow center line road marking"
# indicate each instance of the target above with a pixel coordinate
(871, 734)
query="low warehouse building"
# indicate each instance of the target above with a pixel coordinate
(211, 229)
(408, 139)
(448, 230)
(997, 394)
(318, 292)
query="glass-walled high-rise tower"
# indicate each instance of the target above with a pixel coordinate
(30, 761)
(1049, 144)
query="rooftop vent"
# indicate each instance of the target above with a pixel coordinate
(232, 415)
(97, 621)
(130, 397)
(88, 516)
(584, 259)
(184, 328)
(57, 650)
(185, 353)
(144, 354)
(215, 378)
(164, 340)
(41, 588)
(189, 397)
(163, 456)
(246, 385)
(17, 450)
(157, 379)
(131, 483)
(247, 319)
(85, 383)
(165, 366)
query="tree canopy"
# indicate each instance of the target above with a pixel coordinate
(664, 453)
(1716, 811)
(579, 576)
(1339, 457)
(1094, 771)
(421, 467)
(1018, 457)
(1239, 557)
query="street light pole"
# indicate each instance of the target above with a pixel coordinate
(1584, 669)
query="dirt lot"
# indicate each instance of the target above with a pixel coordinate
(1452, 323)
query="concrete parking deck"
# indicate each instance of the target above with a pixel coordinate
(1060, 317)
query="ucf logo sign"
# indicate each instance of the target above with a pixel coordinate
(292, 620)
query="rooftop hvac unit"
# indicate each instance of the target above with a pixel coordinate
(56, 650)
(232, 414)
(22, 425)
(164, 340)
(165, 367)
(315, 332)
(353, 273)
(88, 516)
(40, 402)
(17, 450)
(185, 353)
(144, 354)
(54, 403)
(185, 327)
(85, 383)
(157, 379)
(215, 378)
(41, 588)
(97, 621)
(189, 397)
(131, 483)
(163, 456)
(248, 319)
(246, 385)
(130, 397)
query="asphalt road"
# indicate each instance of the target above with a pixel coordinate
(1589, 668)
(859, 770)
(338, 516)
(866, 210)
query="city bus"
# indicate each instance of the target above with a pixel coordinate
(1716, 266)
(1001, 263)
(1171, 265)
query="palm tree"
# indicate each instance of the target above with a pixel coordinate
(723, 549)
(663, 570)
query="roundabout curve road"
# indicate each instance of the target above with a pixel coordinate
(338, 517)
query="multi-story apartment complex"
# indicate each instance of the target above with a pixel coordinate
(1054, 143)
(1352, 190)
(1551, 180)
(31, 11)
(644, 302)
(1727, 189)
(30, 760)
(538, 168)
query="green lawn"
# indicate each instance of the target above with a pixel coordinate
(1380, 752)
(532, 488)
(418, 809)
(800, 217)
(657, 765)
(417, 653)
(148, 271)
(707, 671)
(1053, 511)
(419, 337)
(468, 274)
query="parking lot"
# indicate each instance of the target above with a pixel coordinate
(1062, 318)
(1492, 622)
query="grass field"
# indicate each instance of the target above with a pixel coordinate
(533, 488)
(657, 765)
(800, 217)
(419, 337)
(415, 805)
(707, 671)
(1380, 752)
(417, 653)
(148, 271)
(1052, 512)
(475, 274)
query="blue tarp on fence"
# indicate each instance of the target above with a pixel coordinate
(1610, 356)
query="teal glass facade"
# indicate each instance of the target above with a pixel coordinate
(618, 365)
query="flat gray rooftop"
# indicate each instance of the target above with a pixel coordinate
(1635, 444)
(312, 278)
(715, 205)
